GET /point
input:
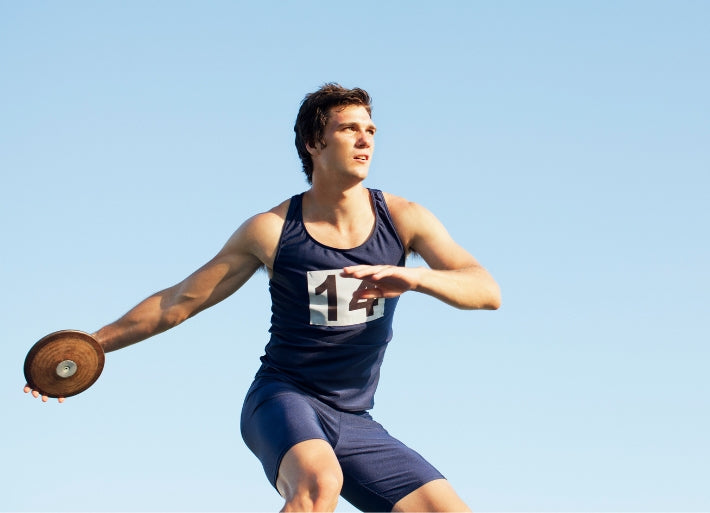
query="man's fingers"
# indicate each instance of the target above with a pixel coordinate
(365, 271)
(373, 293)
(35, 393)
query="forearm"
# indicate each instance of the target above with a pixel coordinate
(470, 288)
(146, 319)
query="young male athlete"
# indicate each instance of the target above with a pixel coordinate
(335, 256)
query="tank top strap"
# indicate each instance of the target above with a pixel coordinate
(295, 210)
(384, 220)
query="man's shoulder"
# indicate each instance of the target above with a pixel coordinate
(259, 235)
(279, 210)
(407, 216)
(401, 207)
(269, 220)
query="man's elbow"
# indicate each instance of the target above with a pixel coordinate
(493, 304)
(489, 299)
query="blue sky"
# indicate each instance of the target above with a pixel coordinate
(565, 144)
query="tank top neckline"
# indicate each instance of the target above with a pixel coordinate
(298, 216)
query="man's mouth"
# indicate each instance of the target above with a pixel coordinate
(362, 158)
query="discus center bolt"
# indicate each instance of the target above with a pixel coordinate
(66, 369)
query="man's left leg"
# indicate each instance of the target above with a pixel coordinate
(437, 495)
(380, 473)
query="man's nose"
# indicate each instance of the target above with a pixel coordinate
(365, 139)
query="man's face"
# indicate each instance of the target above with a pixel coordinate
(349, 143)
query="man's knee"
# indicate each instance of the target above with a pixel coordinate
(313, 491)
(325, 485)
(310, 477)
(437, 495)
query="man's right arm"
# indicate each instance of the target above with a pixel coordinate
(250, 247)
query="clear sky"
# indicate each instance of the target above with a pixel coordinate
(565, 144)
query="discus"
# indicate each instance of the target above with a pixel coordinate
(64, 363)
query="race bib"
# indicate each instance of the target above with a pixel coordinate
(332, 303)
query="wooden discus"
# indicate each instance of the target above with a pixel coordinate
(64, 363)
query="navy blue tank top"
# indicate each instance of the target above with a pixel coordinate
(322, 339)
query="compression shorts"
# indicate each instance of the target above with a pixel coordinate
(378, 470)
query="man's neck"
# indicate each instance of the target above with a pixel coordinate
(336, 206)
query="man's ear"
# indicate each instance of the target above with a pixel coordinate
(313, 150)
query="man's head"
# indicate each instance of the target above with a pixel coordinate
(314, 114)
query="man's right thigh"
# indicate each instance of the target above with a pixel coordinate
(275, 418)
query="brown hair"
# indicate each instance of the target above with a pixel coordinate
(314, 114)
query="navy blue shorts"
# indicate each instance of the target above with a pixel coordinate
(378, 470)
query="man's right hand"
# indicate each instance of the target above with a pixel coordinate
(35, 393)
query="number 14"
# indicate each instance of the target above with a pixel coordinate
(330, 293)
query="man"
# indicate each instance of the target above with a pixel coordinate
(335, 256)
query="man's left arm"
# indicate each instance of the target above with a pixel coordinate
(453, 275)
